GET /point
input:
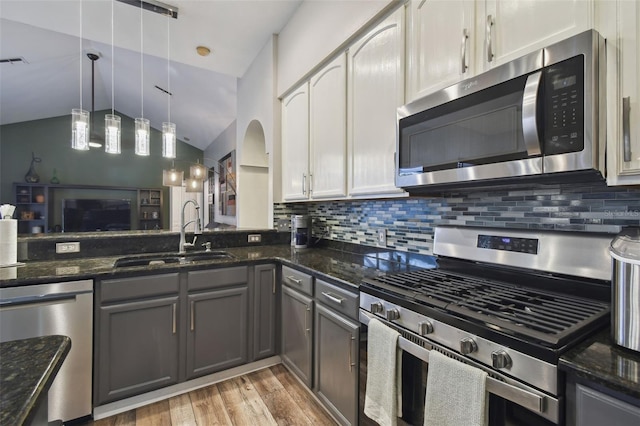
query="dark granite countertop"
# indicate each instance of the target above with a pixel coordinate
(329, 263)
(600, 361)
(27, 369)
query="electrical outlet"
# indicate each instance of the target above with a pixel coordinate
(254, 238)
(284, 225)
(73, 247)
(382, 237)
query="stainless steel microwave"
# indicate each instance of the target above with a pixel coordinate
(538, 118)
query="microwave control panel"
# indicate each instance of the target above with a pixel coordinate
(564, 106)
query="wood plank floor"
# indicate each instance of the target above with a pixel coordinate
(271, 396)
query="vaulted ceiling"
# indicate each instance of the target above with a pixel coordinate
(137, 49)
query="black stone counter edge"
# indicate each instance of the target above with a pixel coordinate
(21, 396)
(600, 362)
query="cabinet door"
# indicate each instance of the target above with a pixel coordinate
(511, 29)
(297, 326)
(264, 312)
(217, 331)
(376, 90)
(295, 144)
(328, 130)
(627, 121)
(336, 368)
(594, 409)
(138, 348)
(441, 44)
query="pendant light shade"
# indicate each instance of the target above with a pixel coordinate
(142, 136)
(172, 177)
(168, 140)
(194, 185)
(80, 129)
(112, 125)
(198, 171)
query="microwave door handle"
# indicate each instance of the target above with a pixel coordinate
(529, 114)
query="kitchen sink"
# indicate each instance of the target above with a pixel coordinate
(161, 259)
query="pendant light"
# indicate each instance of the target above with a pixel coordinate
(194, 185)
(80, 117)
(172, 177)
(168, 128)
(142, 127)
(112, 122)
(198, 171)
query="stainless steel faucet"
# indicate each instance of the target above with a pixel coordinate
(198, 231)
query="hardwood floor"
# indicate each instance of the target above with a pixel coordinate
(271, 396)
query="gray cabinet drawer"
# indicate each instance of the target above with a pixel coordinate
(215, 278)
(337, 298)
(298, 280)
(139, 287)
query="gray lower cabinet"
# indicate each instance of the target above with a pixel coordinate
(137, 336)
(264, 312)
(217, 335)
(297, 327)
(594, 408)
(336, 340)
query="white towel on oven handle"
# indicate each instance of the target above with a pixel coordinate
(383, 397)
(456, 393)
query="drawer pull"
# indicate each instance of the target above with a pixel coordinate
(173, 320)
(333, 298)
(294, 280)
(193, 313)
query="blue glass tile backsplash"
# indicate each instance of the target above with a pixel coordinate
(410, 221)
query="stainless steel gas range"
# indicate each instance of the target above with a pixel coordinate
(508, 302)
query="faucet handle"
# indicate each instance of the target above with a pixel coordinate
(207, 246)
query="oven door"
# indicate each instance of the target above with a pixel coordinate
(506, 401)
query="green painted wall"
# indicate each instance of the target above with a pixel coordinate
(50, 139)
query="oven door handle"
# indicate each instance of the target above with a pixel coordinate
(517, 395)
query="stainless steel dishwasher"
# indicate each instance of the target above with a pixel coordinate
(64, 308)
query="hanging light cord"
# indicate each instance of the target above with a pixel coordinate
(113, 100)
(168, 67)
(80, 45)
(141, 65)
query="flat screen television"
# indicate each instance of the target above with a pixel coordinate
(79, 215)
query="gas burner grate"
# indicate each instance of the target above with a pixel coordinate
(546, 316)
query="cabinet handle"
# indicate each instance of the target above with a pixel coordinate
(193, 319)
(304, 184)
(626, 131)
(310, 184)
(333, 298)
(173, 320)
(273, 281)
(463, 53)
(490, 23)
(351, 363)
(294, 280)
(306, 319)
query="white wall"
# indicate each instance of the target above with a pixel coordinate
(315, 31)
(257, 101)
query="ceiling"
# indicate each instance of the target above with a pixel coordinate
(145, 49)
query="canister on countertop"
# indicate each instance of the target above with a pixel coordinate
(625, 289)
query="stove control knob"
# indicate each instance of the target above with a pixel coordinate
(468, 345)
(425, 327)
(500, 359)
(377, 308)
(393, 314)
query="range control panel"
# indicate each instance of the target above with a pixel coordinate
(519, 245)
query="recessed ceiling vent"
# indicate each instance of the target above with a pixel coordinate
(13, 61)
(154, 6)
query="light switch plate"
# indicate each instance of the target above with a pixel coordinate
(382, 237)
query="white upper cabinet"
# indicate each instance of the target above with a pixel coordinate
(441, 44)
(376, 90)
(295, 144)
(510, 29)
(623, 92)
(328, 133)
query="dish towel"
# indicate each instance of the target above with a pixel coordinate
(383, 397)
(456, 393)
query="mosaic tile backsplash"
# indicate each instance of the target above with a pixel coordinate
(410, 221)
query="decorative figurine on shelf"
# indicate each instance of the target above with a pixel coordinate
(54, 180)
(32, 176)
